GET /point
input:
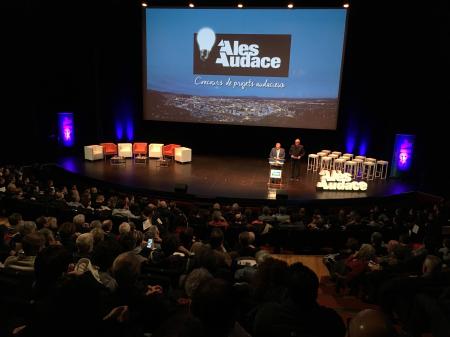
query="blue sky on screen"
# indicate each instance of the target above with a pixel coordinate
(317, 39)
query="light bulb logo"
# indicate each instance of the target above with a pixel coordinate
(205, 40)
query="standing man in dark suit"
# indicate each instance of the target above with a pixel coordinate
(277, 152)
(296, 151)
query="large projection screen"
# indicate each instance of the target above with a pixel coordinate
(255, 67)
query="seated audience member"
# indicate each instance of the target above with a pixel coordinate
(85, 246)
(270, 279)
(4, 248)
(153, 233)
(107, 226)
(316, 222)
(144, 302)
(370, 323)
(122, 209)
(98, 234)
(430, 314)
(186, 238)
(396, 295)
(445, 252)
(282, 217)
(216, 241)
(148, 213)
(266, 215)
(49, 266)
(195, 278)
(298, 314)
(103, 256)
(218, 221)
(23, 228)
(48, 236)
(356, 265)
(214, 310)
(41, 222)
(124, 228)
(31, 245)
(80, 223)
(247, 269)
(175, 325)
(67, 235)
(245, 246)
(95, 224)
(335, 263)
(100, 203)
(376, 239)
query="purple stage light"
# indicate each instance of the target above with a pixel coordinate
(66, 129)
(363, 148)
(129, 129)
(403, 154)
(119, 130)
(350, 143)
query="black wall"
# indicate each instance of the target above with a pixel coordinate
(86, 57)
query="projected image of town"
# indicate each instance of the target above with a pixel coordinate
(241, 71)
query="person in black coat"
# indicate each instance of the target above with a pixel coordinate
(296, 152)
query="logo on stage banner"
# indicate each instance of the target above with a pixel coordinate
(241, 54)
(339, 181)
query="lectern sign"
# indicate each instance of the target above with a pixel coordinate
(275, 174)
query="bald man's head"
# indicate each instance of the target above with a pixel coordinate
(370, 323)
(297, 141)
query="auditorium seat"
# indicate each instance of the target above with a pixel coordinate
(155, 150)
(93, 152)
(140, 149)
(109, 149)
(183, 154)
(125, 150)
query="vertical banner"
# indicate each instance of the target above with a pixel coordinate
(402, 157)
(66, 129)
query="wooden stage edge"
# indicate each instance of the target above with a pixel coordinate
(220, 177)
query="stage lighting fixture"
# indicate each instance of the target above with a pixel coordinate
(291, 5)
(205, 39)
(346, 5)
(191, 5)
(144, 4)
(240, 5)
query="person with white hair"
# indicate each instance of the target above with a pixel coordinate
(80, 222)
(124, 228)
(85, 246)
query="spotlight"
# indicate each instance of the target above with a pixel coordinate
(191, 5)
(144, 4)
(240, 5)
(346, 5)
(291, 5)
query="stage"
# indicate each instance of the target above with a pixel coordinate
(212, 177)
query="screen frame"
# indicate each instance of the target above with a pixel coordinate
(144, 63)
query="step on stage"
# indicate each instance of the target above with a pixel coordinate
(227, 177)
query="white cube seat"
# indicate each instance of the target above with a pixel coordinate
(183, 154)
(93, 152)
(125, 150)
(155, 150)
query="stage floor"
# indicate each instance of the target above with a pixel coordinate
(221, 177)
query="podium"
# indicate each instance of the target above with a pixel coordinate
(275, 173)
